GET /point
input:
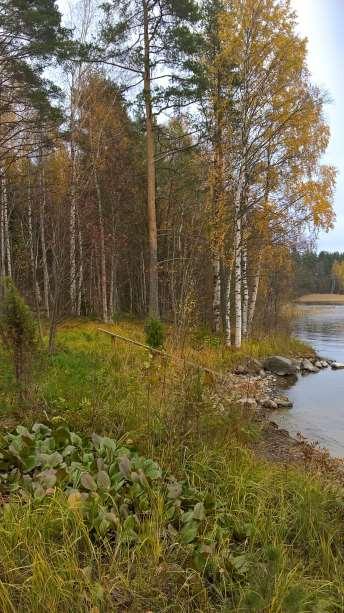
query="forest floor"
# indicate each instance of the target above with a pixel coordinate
(241, 517)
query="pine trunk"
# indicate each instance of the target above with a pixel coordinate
(72, 227)
(218, 203)
(43, 246)
(151, 194)
(217, 294)
(2, 231)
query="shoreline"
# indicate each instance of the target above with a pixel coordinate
(276, 444)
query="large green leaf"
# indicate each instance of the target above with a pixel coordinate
(189, 532)
(88, 482)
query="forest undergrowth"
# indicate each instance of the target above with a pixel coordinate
(166, 508)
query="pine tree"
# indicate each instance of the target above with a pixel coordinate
(30, 37)
(145, 38)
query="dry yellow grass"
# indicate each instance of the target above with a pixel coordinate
(321, 299)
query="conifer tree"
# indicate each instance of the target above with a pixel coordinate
(31, 35)
(145, 39)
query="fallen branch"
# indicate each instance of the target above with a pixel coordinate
(164, 354)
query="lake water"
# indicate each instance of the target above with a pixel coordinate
(318, 411)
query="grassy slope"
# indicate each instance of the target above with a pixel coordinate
(279, 531)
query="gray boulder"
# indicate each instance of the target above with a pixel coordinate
(268, 403)
(297, 362)
(254, 366)
(280, 366)
(308, 366)
(283, 402)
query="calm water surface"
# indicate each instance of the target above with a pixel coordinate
(319, 399)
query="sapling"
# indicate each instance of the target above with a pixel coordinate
(155, 335)
(17, 330)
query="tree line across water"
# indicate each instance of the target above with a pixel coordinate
(319, 273)
(178, 172)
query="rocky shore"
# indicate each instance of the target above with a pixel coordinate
(258, 383)
(257, 386)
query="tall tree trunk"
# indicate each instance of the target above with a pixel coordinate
(237, 262)
(216, 294)
(237, 284)
(151, 193)
(2, 230)
(43, 243)
(112, 281)
(103, 277)
(254, 293)
(244, 289)
(228, 307)
(81, 272)
(33, 259)
(218, 203)
(72, 224)
(6, 227)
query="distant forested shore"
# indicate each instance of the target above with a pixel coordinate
(321, 273)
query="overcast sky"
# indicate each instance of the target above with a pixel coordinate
(322, 22)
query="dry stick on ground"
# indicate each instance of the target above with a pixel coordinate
(163, 353)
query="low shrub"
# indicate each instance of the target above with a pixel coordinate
(155, 335)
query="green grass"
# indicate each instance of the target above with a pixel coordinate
(274, 533)
(280, 536)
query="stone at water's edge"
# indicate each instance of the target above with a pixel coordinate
(337, 365)
(283, 402)
(280, 366)
(269, 403)
(308, 366)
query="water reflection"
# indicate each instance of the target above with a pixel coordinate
(319, 399)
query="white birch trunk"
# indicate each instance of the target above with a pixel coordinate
(254, 294)
(6, 228)
(237, 263)
(244, 291)
(81, 273)
(237, 284)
